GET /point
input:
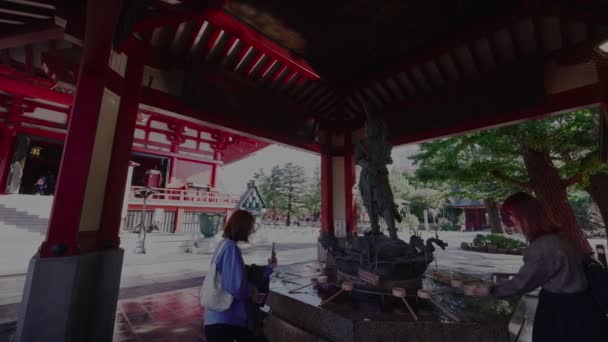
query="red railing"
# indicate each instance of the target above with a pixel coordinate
(185, 197)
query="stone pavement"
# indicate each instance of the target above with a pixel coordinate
(165, 268)
(169, 316)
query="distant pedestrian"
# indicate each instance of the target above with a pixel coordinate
(40, 186)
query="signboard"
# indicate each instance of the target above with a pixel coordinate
(340, 228)
(368, 277)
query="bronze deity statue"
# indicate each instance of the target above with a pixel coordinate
(373, 153)
(393, 261)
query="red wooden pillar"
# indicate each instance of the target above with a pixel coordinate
(349, 183)
(119, 164)
(7, 137)
(214, 170)
(71, 288)
(327, 218)
(171, 175)
(70, 194)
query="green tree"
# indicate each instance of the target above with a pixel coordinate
(311, 200)
(544, 156)
(427, 199)
(271, 188)
(292, 189)
(462, 165)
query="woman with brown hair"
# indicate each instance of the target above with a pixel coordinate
(231, 324)
(566, 311)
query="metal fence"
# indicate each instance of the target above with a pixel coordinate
(191, 224)
(165, 223)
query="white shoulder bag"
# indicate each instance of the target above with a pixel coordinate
(213, 296)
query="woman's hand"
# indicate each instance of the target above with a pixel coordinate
(272, 262)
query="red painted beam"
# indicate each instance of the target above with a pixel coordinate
(172, 120)
(174, 155)
(161, 131)
(234, 27)
(40, 133)
(40, 122)
(169, 146)
(30, 90)
(170, 103)
(34, 104)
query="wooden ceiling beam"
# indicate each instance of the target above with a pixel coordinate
(554, 104)
(30, 34)
(30, 90)
(170, 103)
(599, 17)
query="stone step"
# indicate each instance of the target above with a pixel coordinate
(22, 220)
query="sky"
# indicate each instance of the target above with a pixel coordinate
(233, 178)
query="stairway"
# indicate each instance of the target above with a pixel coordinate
(25, 212)
(22, 220)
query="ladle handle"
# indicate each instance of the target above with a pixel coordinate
(409, 308)
(445, 311)
(301, 287)
(332, 297)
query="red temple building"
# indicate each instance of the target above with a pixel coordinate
(182, 86)
(177, 156)
(475, 215)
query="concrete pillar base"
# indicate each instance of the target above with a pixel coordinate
(70, 298)
(321, 253)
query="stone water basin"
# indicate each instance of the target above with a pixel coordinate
(361, 316)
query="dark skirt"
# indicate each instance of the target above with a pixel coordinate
(569, 317)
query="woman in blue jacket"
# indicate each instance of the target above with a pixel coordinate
(231, 325)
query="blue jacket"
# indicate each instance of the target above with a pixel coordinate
(230, 265)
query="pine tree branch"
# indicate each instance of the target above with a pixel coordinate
(498, 175)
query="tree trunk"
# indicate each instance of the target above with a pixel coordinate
(598, 190)
(551, 192)
(493, 216)
(288, 222)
